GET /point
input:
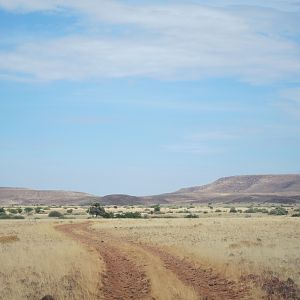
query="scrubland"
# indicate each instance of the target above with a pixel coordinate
(236, 246)
(37, 259)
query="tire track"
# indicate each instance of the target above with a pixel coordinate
(206, 283)
(123, 279)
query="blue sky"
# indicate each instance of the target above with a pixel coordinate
(145, 97)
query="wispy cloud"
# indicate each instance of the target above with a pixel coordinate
(204, 143)
(171, 41)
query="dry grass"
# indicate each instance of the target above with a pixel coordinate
(37, 260)
(235, 246)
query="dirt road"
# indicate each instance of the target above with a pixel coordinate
(140, 271)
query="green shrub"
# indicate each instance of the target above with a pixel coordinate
(13, 210)
(190, 216)
(18, 217)
(28, 209)
(233, 210)
(55, 214)
(253, 210)
(156, 208)
(218, 210)
(69, 211)
(129, 215)
(38, 210)
(296, 215)
(2, 211)
(278, 211)
(5, 216)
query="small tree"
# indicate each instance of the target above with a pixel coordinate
(97, 210)
(2, 211)
(38, 210)
(28, 210)
(19, 209)
(156, 208)
(233, 210)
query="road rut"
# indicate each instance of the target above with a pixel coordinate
(126, 277)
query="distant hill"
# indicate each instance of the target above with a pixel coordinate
(28, 196)
(234, 189)
(246, 188)
(250, 184)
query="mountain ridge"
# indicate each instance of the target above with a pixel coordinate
(268, 188)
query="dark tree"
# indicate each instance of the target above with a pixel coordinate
(97, 210)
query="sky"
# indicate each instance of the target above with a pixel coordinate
(145, 97)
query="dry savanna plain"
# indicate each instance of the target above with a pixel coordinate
(193, 252)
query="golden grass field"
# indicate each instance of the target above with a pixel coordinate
(38, 258)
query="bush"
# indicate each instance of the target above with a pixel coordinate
(28, 209)
(129, 215)
(2, 211)
(38, 210)
(278, 211)
(13, 210)
(97, 210)
(218, 210)
(69, 211)
(296, 215)
(5, 216)
(190, 216)
(156, 208)
(18, 217)
(55, 214)
(254, 210)
(233, 210)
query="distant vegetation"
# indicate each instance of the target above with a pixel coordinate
(253, 210)
(233, 210)
(129, 215)
(191, 216)
(96, 210)
(55, 214)
(278, 211)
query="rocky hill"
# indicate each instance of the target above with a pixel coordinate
(250, 184)
(246, 188)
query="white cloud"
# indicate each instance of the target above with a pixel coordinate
(163, 41)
